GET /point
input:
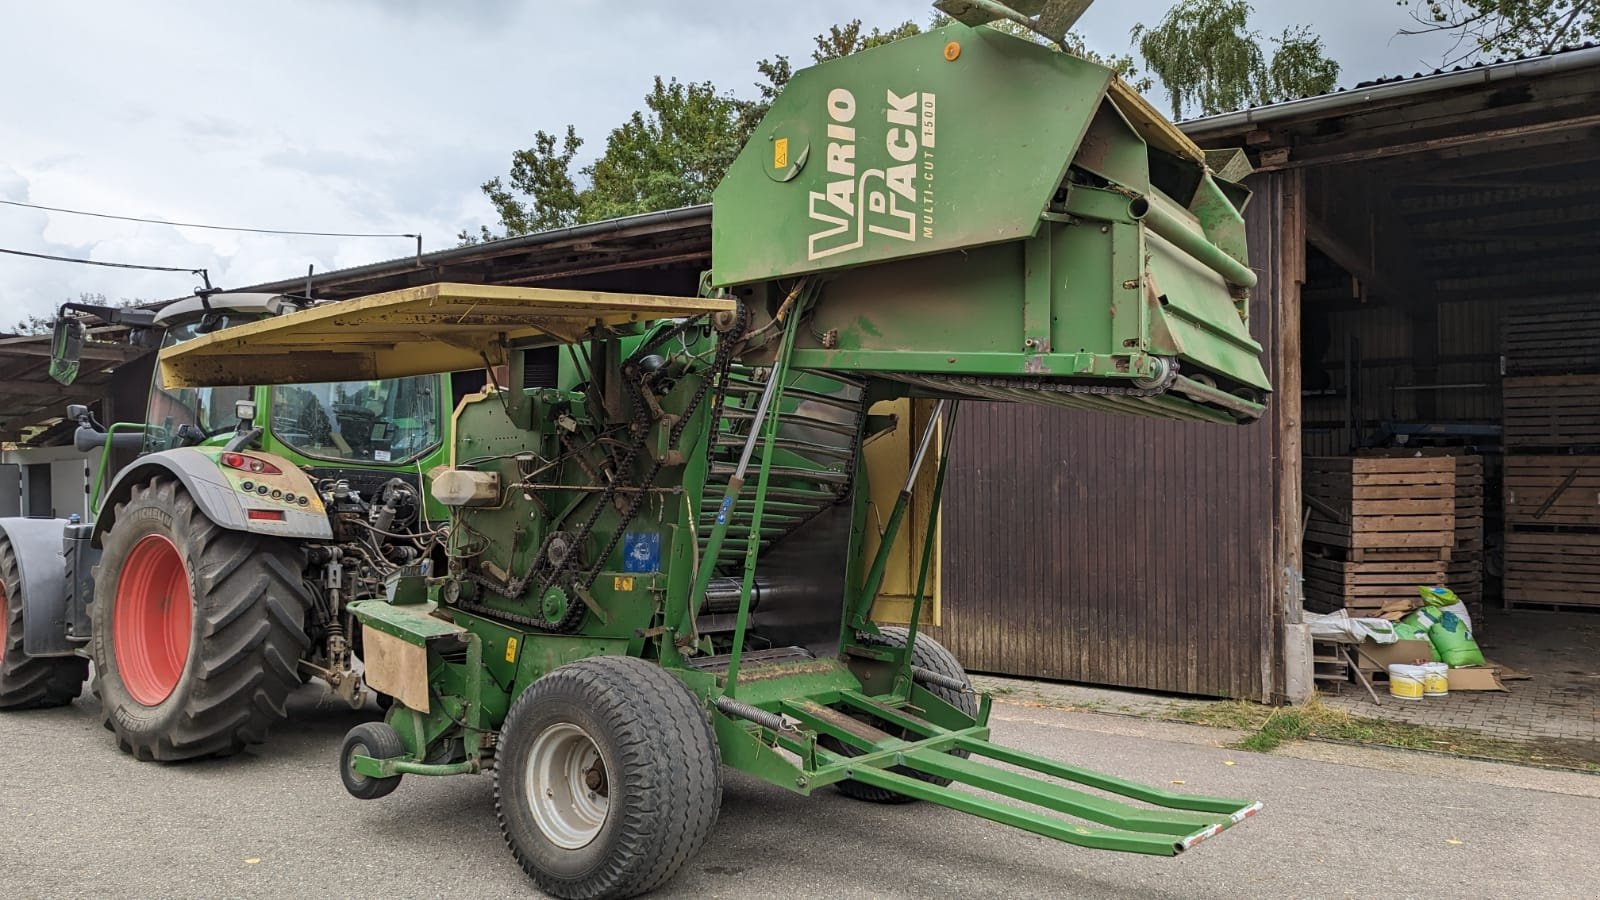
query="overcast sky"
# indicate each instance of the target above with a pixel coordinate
(384, 115)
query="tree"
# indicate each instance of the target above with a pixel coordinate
(1510, 27)
(1207, 57)
(672, 153)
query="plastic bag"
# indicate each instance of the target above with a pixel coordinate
(1454, 642)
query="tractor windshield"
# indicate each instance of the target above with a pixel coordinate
(210, 409)
(362, 421)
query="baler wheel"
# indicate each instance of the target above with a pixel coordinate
(30, 682)
(198, 630)
(607, 778)
(928, 654)
(378, 740)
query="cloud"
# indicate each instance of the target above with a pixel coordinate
(379, 115)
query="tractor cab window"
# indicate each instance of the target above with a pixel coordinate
(362, 421)
(208, 410)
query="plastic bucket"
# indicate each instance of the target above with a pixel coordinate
(1407, 682)
(1435, 679)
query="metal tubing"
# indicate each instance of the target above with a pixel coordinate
(891, 530)
(1196, 245)
(1056, 797)
(761, 423)
(928, 544)
(1102, 782)
(1026, 819)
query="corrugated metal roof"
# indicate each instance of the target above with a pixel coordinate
(1585, 55)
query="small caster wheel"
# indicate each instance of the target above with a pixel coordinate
(379, 741)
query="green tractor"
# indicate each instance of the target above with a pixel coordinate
(668, 561)
(214, 578)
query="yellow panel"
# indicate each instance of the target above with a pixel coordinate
(415, 331)
(1151, 125)
(888, 459)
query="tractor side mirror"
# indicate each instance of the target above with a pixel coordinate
(66, 348)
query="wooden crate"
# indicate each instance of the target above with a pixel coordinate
(1550, 568)
(1556, 339)
(1372, 502)
(1328, 667)
(1364, 587)
(1552, 412)
(1552, 491)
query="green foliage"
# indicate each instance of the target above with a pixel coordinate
(1509, 27)
(674, 151)
(1209, 59)
(670, 154)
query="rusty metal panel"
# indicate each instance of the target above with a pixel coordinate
(1119, 551)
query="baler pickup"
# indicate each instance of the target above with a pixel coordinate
(1169, 824)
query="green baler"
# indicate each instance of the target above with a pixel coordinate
(657, 559)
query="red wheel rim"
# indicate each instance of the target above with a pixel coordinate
(152, 620)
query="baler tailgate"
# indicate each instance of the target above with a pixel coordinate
(1167, 825)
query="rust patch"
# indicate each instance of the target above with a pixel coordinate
(1035, 365)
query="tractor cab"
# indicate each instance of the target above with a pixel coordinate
(360, 432)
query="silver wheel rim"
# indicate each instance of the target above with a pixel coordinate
(567, 784)
(357, 749)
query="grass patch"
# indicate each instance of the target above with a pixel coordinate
(1271, 727)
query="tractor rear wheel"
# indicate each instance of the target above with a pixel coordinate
(607, 778)
(198, 630)
(29, 682)
(928, 654)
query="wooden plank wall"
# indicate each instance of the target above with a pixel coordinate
(1134, 552)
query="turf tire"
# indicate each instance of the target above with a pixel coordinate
(662, 766)
(928, 654)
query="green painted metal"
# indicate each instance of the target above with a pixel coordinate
(975, 238)
(1056, 254)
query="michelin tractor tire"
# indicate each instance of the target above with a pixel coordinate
(198, 630)
(30, 682)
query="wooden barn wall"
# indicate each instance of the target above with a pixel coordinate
(1123, 551)
(1380, 340)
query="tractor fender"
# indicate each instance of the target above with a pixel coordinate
(221, 501)
(46, 589)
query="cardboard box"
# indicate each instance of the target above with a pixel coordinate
(1375, 656)
(1476, 678)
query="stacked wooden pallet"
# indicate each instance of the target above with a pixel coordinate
(1464, 575)
(1377, 529)
(1552, 412)
(1552, 339)
(1551, 489)
(1552, 514)
(1552, 569)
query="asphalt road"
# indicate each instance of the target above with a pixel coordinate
(79, 819)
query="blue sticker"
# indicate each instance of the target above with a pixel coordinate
(641, 551)
(722, 514)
